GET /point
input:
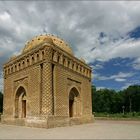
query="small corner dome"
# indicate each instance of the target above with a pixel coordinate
(51, 39)
(83, 60)
(13, 57)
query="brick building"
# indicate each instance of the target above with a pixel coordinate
(47, 86)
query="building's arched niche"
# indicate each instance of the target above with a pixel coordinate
(20, 103)
(74, 103)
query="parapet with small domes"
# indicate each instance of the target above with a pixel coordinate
(36, 51)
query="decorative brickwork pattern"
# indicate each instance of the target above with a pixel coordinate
(47, 89)
(33, 93)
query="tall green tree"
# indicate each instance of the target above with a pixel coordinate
(1, 102)
(110, 101)
(93, 93)
(132, 98)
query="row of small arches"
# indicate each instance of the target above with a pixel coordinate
(27, 61)
(69, 63)
(56, 57)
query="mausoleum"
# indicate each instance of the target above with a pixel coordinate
(47, 86)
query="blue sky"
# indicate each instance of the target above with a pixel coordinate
(106, 34)
(119, 72)
(116, 74)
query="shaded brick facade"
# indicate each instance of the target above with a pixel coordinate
(47, 86)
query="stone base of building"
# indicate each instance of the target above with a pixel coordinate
(47, 121)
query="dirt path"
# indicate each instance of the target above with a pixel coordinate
(101, 129)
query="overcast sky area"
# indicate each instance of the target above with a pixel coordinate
(106, 34)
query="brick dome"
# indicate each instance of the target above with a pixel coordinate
(51, 39)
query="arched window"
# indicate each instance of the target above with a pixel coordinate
(20, 103)
(37, 57)
(33, 60)
(28, 62)
(19, 66)
(43, 53)
(23, 64)
(11, 69)
(74, 103)
(15, 67)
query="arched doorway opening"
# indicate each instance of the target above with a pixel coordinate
(74, 103)
(20, 103)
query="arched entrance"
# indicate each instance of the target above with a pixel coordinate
(74, 103)
(20, 103)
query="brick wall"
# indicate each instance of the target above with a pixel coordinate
(47, 74)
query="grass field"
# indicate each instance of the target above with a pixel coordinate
(133, 115)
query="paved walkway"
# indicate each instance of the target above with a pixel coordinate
(101, 129)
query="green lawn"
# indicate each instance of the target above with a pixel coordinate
(118, 115)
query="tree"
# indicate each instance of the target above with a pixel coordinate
(117, 102)
(110, 101)
(103, 100)
(93, 92)
(132, 98)
(1, 102)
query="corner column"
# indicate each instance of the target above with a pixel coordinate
(47, 84)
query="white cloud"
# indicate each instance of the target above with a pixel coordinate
(79, 23)
(126, 85)
(120, 77)
(4, 16)
(97, 66)
(131, 82)
(124, 48)
(98, 88)
(136, 64)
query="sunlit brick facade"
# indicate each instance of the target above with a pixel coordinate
(47, 86)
